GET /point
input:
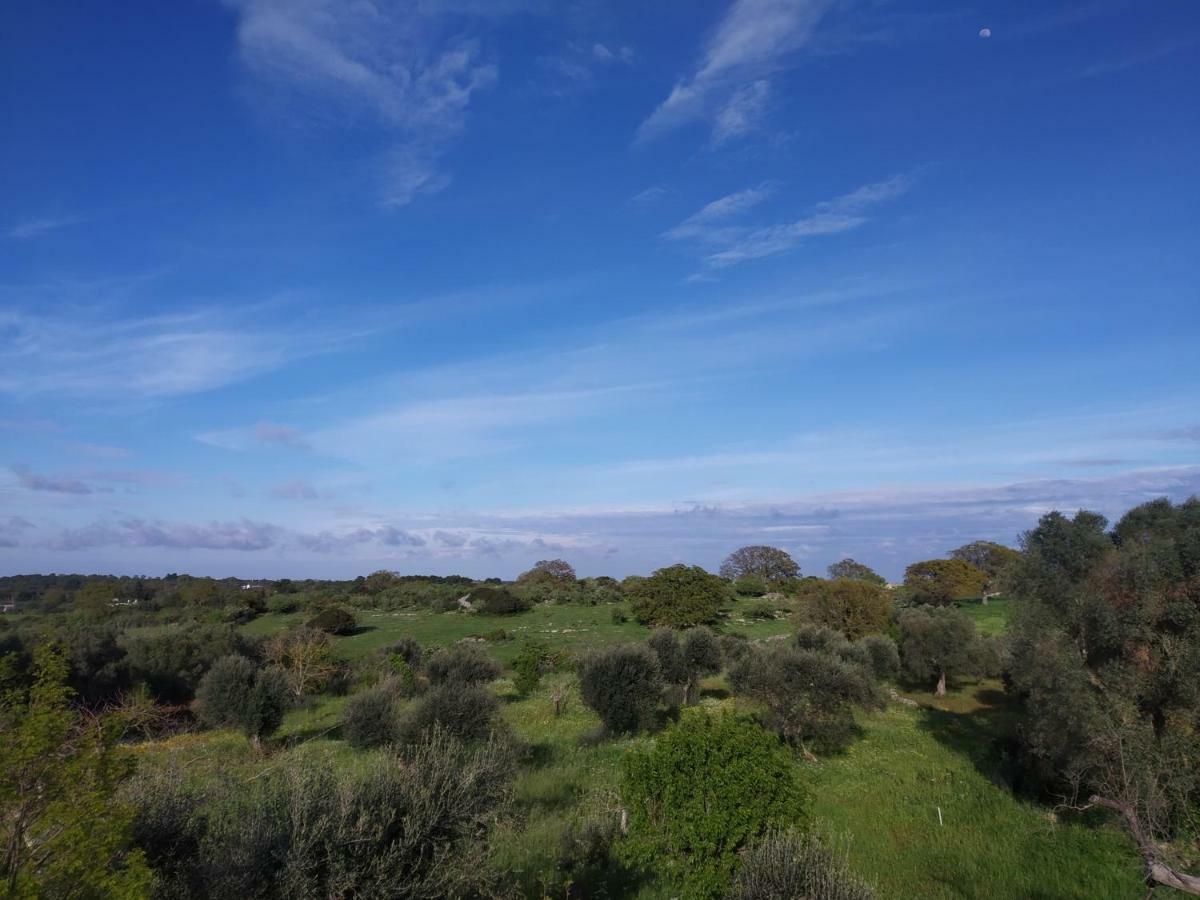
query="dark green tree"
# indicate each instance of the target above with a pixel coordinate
(623, 685)
(937, 643)
(939, 582)
(678, 597)
(770, 564)
(849, 568)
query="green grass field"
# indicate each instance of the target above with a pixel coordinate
(880, 798)
(991, 618)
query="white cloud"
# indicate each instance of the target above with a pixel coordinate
(32, 228)
(736, 244)
(731, 82)
(379, 58)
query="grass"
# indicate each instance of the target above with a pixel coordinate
(562, 626)
(991, 618)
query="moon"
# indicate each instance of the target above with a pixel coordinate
(985, 32)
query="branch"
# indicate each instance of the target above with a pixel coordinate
(1156, 870)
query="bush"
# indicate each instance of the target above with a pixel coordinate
(853, 606)
(283, 603)
(409, 649)
(171, 662)
(797, 864)
(750, 586)
(709, 787)
(623, 686)
(462, 664)
(334, 620)
(310, 828)
(371, 717)
(528, 665)
(883, 654)
(678, 597)
(761, 609)
(236, 694)
(684, 663)
(497, 601)
(807, 695)
(462, 711)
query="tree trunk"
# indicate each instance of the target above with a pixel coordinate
(1156, 870)
(941, 685)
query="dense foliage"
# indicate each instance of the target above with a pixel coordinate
(708, 788)
(853, 606)
(938, 582)
(237, 694)
(678, 597)
(623, 685)
(849, 568)
(771, 565)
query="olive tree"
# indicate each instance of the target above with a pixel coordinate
(623, 685)
(937, 643)
(237, 694)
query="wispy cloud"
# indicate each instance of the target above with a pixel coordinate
(11, 530)
(32, 228)
(378, 58)
(297, 489)
(83, 355)
(740, 243)
(732, 80)
(33, 481)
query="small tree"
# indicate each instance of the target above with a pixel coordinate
(623, 685)
(462, 664)
(236, 694)
(750, 586)
(527, 666)
(709, 787)
(770, 564)
(938, 582)
(497, 601)
(849, 568)
(678, 597)
(306, 656)
(937, 643)
(994, 560)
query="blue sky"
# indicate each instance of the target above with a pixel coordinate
(315, 287)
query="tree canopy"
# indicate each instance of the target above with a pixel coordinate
(849, 568)
(678, 597)
(942, 581)
(770, 564)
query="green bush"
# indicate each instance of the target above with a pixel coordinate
(464, 711)
(750, 586)
(371, 717)
(409, 649)
(623, 686)
(761, 609)
(462, 664)
(678, 597)
(334, 620)
(497, 601)
(883, 654)
(709, 787)
(797, 864)
(283, 603)
(527, 666)
(236, 694)
(172, 661)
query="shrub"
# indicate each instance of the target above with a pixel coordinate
(733, 647)
(236, 694)
(679, 597)
(371, 717)
(309, 828)
(409, 649)
(883, 654)
(623, 686)
(283, 603)
(618, 617)
(463, 711)
(528, 665)
(497, 601)
(807, 695)
(761, 609)
(462, 664)
(750, 586)
(334, 620)
(306, 655)
(171, 662)
(683, 663)
(708, 787)
(797, 864)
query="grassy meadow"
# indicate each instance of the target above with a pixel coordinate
(880, 798)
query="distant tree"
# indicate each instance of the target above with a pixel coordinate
(236, 694)
(708, 787)
(64, 829)
(95, 599)
(558, 570)
(496, 601)
(678, 596)
(938, 582)
(623, 685)
(855, 607)
(171, 661)
(770, 564)
(994, 560)
(849, 568)
(937, 643)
